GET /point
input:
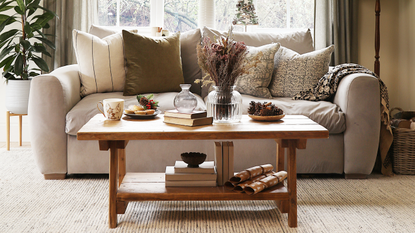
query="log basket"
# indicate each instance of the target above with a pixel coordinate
(403, 145)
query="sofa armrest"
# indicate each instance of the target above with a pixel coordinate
(358, 95)
(51, 97)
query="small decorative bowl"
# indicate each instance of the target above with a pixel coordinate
(193, 159)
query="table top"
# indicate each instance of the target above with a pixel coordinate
(290, 127)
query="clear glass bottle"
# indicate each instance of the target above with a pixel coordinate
(185, 101)
(224, 105)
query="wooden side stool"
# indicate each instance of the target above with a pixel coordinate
(8, 115)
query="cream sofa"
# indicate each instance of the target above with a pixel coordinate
(57, 112)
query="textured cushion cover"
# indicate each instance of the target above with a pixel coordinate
(325, 113)
(294, 72)
(85, 109)
(299, 41)
(256, 82)
(153, 64)
(101, 62)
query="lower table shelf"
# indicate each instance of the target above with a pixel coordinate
(151, 187)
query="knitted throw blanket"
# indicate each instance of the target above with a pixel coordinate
(326, 89)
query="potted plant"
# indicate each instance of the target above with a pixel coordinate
(22, 45)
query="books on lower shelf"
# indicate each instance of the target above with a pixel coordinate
(224, 161)
(181, 175)
(188, 122)
(205, 167)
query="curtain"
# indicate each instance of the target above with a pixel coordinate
(73, 14)
(335, 22)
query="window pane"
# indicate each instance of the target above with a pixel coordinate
(107, 12)
(272, 13)
(302, 14)
(135, 13)
(180, 15)
(132, 13)
(224, 13)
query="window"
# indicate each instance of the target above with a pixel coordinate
(182, 15)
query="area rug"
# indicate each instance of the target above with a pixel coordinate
(28, 203)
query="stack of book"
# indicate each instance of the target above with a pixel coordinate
(181, 175)
(224, 161)
(194, 118)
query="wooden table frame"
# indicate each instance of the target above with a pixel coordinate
(8, 115)
(124, 187)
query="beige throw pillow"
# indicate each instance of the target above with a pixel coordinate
(100, 61)
(294, 72)
(257, 81)
(153, 64)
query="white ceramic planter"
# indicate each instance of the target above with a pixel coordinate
(17, 96)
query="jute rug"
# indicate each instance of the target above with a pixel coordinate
(28, 203)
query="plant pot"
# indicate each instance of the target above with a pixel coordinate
(17, 96)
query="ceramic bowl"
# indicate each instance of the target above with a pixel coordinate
(193, 159)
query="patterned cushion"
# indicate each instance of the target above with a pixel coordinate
(101, 62)
(256, 82)
(294, 72)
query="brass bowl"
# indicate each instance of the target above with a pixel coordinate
(193, 159)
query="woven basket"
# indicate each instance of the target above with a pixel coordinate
(404, 151)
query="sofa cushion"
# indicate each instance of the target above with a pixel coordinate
(101, 62)
(294, 72)
(325, 113)
(85, 109)
(257, 81)
(191, 70)
(153, 64)
(103, 31)
(299, 41)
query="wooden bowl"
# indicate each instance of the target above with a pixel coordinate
(193, 159)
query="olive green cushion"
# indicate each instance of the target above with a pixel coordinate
(153, 64)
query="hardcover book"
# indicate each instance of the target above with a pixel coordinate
(171, 175)
(192, 115)
(219, 162)
(190, 182)
(188, 122)
(205, 167)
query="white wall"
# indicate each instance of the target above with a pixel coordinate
(397, 48)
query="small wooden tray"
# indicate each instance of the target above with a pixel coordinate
(267, 118)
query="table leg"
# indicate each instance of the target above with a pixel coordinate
(20, 130)
(121, 166)
(117, 157)
(8, 129)
(292, 183)
(113, 186)
(281, 204)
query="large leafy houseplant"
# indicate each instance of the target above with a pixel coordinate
(24, 42)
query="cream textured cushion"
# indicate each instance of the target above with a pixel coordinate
(257, 81)
(101, 62)
(294, 72)
(299, 41)
(104, 31)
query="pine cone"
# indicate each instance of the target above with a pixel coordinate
(143, 101)
(251, 109)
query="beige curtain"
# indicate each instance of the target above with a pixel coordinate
(335, 22)
(73, 14)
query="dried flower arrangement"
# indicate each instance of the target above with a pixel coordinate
(224, 61)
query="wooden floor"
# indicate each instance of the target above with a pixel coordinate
(15, 144)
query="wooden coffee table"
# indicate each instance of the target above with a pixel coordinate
(291, 133)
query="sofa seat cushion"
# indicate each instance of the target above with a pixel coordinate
(85, 109)
(325, 113)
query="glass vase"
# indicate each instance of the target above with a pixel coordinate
(224, 104)
(185, 101)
